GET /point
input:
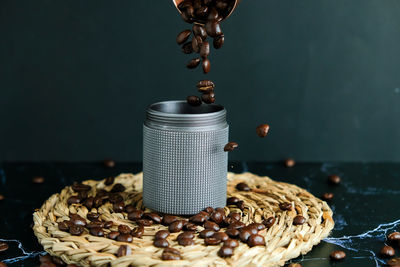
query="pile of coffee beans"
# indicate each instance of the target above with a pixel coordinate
(388, 250)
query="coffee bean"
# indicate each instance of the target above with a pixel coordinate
(262, 130)
(221, 236)
(299, 220)
(211, 241)
(327, 196)
(251, 228)
(258, 226)
(118, 207)
(193, 63)
(199, 30)
(193, 100)
(117, 188)
(130, 208)
(243, 187)
(285, 206)
(124, 229)
(109, 180)
(394, 238)
(102, 193)
(109, 163)
(187, 48)
(186, 234)
(183, 36)
(230, 146)
(124, 238)
(79, 187)
(294, 264)
(3, 246)
(334, 179)
(225, 251)
(176, 226)
(89, 203)
(124, 250)
(234, 216)
(205, 86)
(92, 216)
(244, 235)
(206, 67)
(395, 262)
(2, 197)
(168, 256)
(289, 162)
(202, 12)
(162, 234)
(232, 201)
(218, 41)
(185, 241)
(185, 16)
(38, 180)
(135, 215)
(73, 200)
(218, 216)
(161, 243)
(115, 198)
(153, 216)
(232, 233)
(196, 43)
(212, 226)
(206, 214)
(209, 210)
(96, 231)
(77, 219)
(144, 222)
(190, 226)
(269, 222)
(95, 224)
(236, 225)
(240, 205)
(172, 250)
(108, 224)
(168, 219)
(337, 255)
(231, 243)
(138, 231)
(113, 235)
(206, 233)
(76, 229)
(387, 251)
(198, 218)
(256, 240)
(221, 5)
(213, 15)
(205, 49)
(208, 98)
(63, 226)
(213, 28)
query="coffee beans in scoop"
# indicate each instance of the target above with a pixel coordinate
(230, 146)
(262, 130)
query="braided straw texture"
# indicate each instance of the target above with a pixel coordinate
(284, 240)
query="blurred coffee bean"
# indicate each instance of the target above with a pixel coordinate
(243, 187)
(208, 98)
(285, 206)
(196, 43)
(186, 17)
(225, 251)
(117, 188)
(183, 36)
(135, 215)
(109, 163)
(2, 264)
(38, 180)
(124, 229)
(176, 226)
(213, 28)
(199, 30)
(76, 229)
(256, 240)
(289, 162)
(193, 100)
(187, 48)
(113, 235)
(269, 222)
(206, 233)
(205, 49)
(334, 179)
(124, 250)
(161, 243)
(206, 65)
(118, 207)
(92, 216)
(262, 130)
(162, 234)
(221, 236)
(233, 243)
(299, 220)
(124, 238)
(96, 231)
(337, 255)
(218, 41)
(387, 252)
(138, 231)
(327, 196)
(2, 197)
(73, 200)
(212, 226)
(230, 146)
(168, 219)
(108, 224)
(232, 233)
(3, 246)
(251, 228)
(205, 86)
(193, 63)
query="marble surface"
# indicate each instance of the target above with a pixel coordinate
(366, 204)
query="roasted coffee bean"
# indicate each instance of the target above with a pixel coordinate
(109, 180)
(217, 216)
(299, 220)
(89, 203)
(198, 218)
(63, 226)
(95, 224)
(153, 216)
(172, 250)
(205, 49)
(130, 208)
(285, 206)
(162, 234)
(334, 179)
(205, 86)
(209, 210)
(395, 262)
(235, 216)
(108, 224)
(196, 43)
(230, 146)
(337, 255)
(244, 235)
(82, 196)
(232, 233)
(115, 198)
(185, 241)
(124, 238)
(256, 240)
(135, 215)
(258, 226)
(212, 226)
(117, 188)
(225, 251)
(77, 219)
(144, 222)
(102, 192)
(240, 205)
(124, 229)
(202, 12)
(185, 16)
(206, 233)
(221, 5)
(193, 63)
(193, 100)
(187, 48)
(3, 246)
(161, 243)
(243, 187)
(269, 222)
(190, 226)
(206, 214)
(394, 238)
(38, 180)
(113, 235)
(176, 226)
(262, 130)
(98, 201)
(208, 98)
(168, 219)
(232, 201)
(233, 243)
(213, 15)
(118, 207)
(190, 11)
(206, 65)
(211, 241)
(138, 232)
(236, 225)
(327, 196)
(218, 41)
(79, 187)
(294, 264)
(387, 252)
(168, 256)
(92, 216)
(289, 162)
(124, 250)
(186, 234)
(221, 236)
(109, 163)
(76, 229)
(199, 30)
(213, 28)
(96, 231)
(251, 228)
(183, 36)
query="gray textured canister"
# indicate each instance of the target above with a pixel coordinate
(184, 163)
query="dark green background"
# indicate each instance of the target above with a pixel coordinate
(76, 76)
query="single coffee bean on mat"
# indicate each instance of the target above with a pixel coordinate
(217, 216)
(243, 187)
(289, 162)
(236, 225)
(232, 200)
(63, 226)
(299, 220)
(108, 224)
(225, 251)
(193, 100)
(205, 49)
(117, 188)
(337, 255)
(168, 256)
(221, 236)
(118, 207)
(95, 224)
(152, 216)
(256, 240)
(230, 146)
(135, 215)
(73, 200)
(262, 130)
(183, 36)
(124, 250)
(387, 251)
(209, 210)
(144, 222)
(77, 219)
(334, 179)
(109, 180)
(198, 219)
(218, 41)
(285, 206)
(92, 216)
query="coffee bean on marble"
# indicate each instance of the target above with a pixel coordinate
(206, 233)
(289, 162)
(162, 234)
(256, 240)
(168, 219)
(138, 231)
(168, 256)
(198, 218)
(334, 179)
(285, 206)
(187, 48)
(232, 233)
(233, 243)
(144, 222)
(112, 235)
(161, 243)
(236, 225)
(262, 130)
(96, 231)
(193, 63)
(77, 219)
(221, 236)
(3, 246)
(92, 216)
(269, 222)
(213, 28)
(240, 205)
(95, 224)
(76, 229)
(109, 163)
(244, 235)
(337, 255)
(230, 146)
(124, 238)
(117, 188)
(124, 229)
(205, 86)
(124, 250)
(205, 49)
(208, 98)
(190, 226)
(176, 226)
(63, 226)
(395, 262)
(199, 30)
(243, 187)
(108, 224)
(209, 210)
(232, 200)
(394, 238)
(183, 36)
(118, 207)
(212, 226)
(299, 220)
(294, 264)
(218, 41)
(327, 196)
(38, 180)
(79, 187)
(153, 216)
(225, 251)
(387, 251)
(206, 65)
(185, 241)
(196, 44)
(135, 215)
(193, 100)
(212, 241)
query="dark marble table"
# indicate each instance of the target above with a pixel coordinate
(366, 204)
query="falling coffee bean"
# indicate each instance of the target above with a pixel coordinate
(256, 240)
(337, 255)
(285, 206)
(183, 36)
(193, 100)
(196, 44)
(3, 246)
(225, 251)
(205, 49)
(109, 163)
(199, 30)
(230, 146)
(187, 48)
(38, 180)
(193, 63)
(334, 179)
(243, 187)
(213, 28)
(162, 234)
(208, 98)
(327, 196)
(206, 65)
(124, 250)
(299, 220)
(218, 41)
(205, 86)
(161, 243)
(262, 130)
(387, 251)
(289, 162)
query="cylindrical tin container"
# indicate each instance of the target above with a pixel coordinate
(184, 163)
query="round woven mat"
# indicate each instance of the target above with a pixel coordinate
(284, 240)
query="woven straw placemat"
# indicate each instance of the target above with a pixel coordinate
(284, 240)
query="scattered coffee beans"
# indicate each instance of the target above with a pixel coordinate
(387, 251)
(337, 255)
(299, 220)
(135, 215)
(193, 63)
(38, 180)
(243, 187)
(124, 250)
(262, 130)
(230, 146)
(289, 162)
(327, 196)
(334, 179)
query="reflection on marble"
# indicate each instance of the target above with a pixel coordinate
(25, 254)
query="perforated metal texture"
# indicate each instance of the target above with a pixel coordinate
(184, 172)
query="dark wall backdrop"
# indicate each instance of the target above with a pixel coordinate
(76, 76)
